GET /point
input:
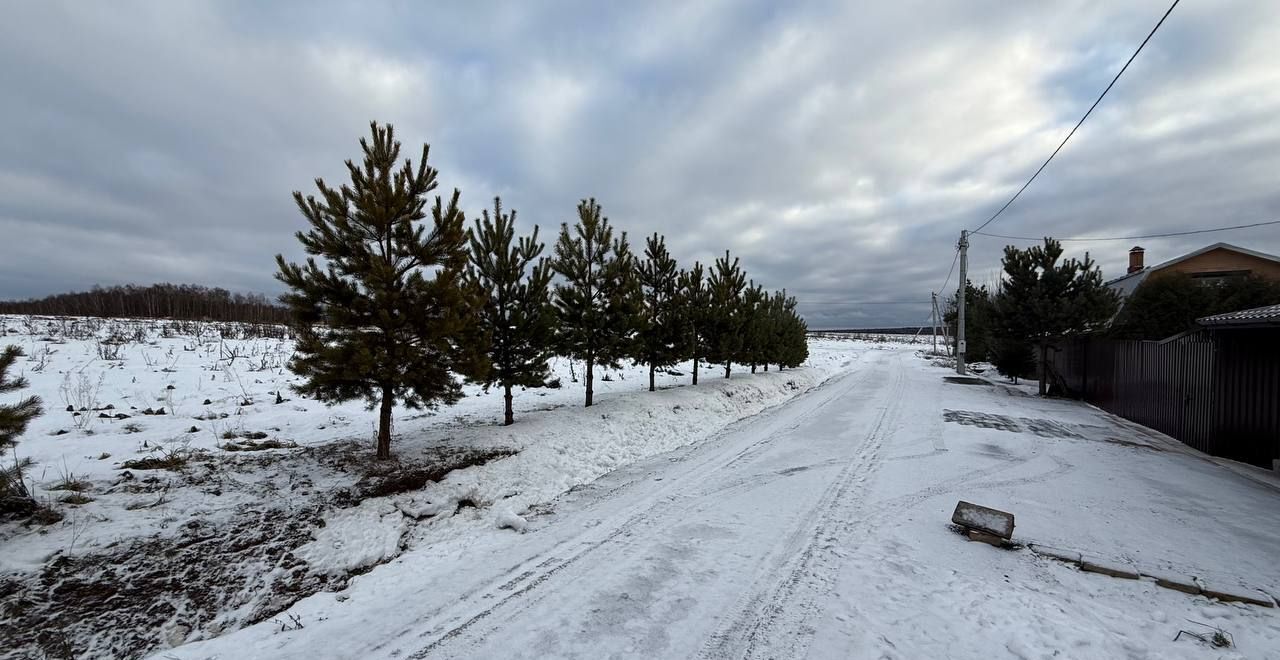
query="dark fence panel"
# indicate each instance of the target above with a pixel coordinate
(1248, 388)
(1216, 391)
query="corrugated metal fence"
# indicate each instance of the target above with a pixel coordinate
(1216, 391)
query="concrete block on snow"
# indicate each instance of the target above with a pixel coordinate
(1114, 569)
(984, 519)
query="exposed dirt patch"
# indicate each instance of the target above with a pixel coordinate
(16, 507)
(396, 478)
(203, 578)
(151, 593)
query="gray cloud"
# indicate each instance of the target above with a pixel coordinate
(837, 149)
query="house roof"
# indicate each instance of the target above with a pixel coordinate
(1258, 316)
(1126, 284)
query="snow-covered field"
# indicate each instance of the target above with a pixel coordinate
(820, 528)
(199, 494)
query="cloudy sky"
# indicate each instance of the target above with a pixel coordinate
(838, 148)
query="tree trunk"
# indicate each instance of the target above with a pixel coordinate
(507, 417)
(590, 376)
(384, 423)
(753, 368)
(728, 365)
(695, 371)
(766, 367)
(652, 369)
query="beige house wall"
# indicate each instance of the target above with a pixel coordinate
(1223, 260)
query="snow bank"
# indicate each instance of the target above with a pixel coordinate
(569, 447)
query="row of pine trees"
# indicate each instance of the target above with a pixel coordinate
(396, 306)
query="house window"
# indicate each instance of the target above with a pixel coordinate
(1214, 278)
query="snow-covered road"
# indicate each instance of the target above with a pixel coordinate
(720, 551)
(819, 528)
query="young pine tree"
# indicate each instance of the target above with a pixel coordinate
(598, 302)
(384, 317)
(725, 285)
(515, 316)
(14, 417)
(755, 326)
(694, 299)
(774, 317)
(658, 340)
(979, 310)
(792, 336)
(1012, 357)
(1042, 298)
(798, 347)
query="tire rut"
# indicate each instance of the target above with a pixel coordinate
(514, 593)
(809, 545)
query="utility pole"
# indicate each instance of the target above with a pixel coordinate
(935, 324)
(964, 285)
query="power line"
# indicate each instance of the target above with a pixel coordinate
(951, 270)
(863, 302)
(1086, 116)
(1133, 238)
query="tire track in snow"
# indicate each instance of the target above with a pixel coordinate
(770, 601)
(514, 594)
(711, 459)
(776, 622)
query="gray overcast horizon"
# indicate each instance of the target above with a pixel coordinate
(837, 148)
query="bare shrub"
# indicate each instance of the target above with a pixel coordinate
(163, 459)
(41, 358)
(80, 393)
(72, 483)
(252, 445)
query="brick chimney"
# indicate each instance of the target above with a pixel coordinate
(1135, 259)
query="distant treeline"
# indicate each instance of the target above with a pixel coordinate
(167, 301)
(903, 330)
